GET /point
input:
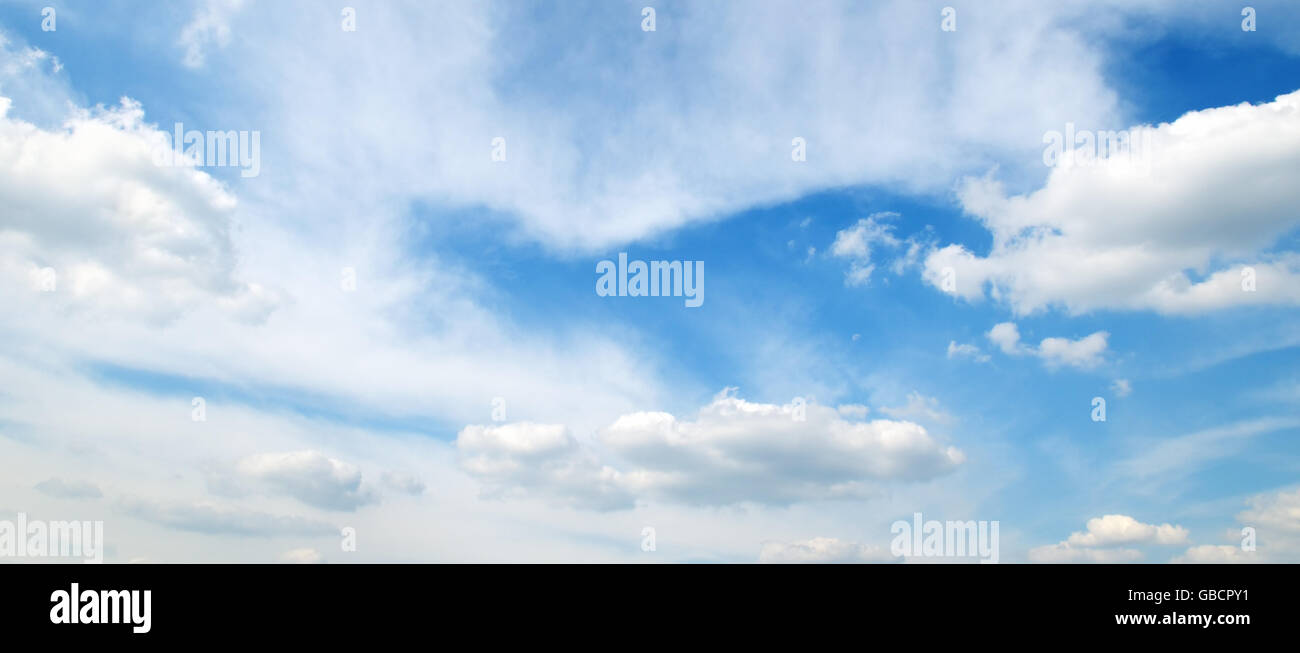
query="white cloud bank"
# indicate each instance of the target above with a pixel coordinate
(734, 451)
(691, 122)
(120, 236)
(1180, 235)
(1104, 540)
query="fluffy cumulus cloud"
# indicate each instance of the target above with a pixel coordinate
(734, 451)
(1187, 224)
(1083, 353)
(827, 550)
(94, 229)
(1110, 530)
(1109, 539)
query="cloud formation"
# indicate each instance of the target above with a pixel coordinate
(94, 229)
(1105, 538)
(1084, 353)
(308, 476)
(1187, 229)
(734, 451)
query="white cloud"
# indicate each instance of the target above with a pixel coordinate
(1276, 512)
(309, 476)
(1121, 387)
(29, 77)
(1085, 353)
(920, 408)
(1269, 531)
(1121, 529)
(738, 451)
(855, 244)
(735, 451)
(523, 459)
(209, 28)
(1007, 337)
(124, 238)
(1207, 554)
(966, 351)
(1115, 236)
(827, 550)
(1275, 516)
(1097, 543)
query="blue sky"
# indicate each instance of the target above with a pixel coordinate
(475, 279)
